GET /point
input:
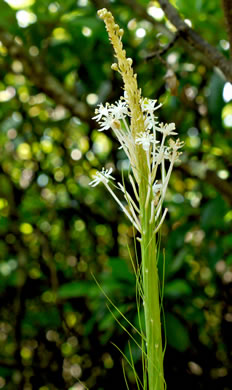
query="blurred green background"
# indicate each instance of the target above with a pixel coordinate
(57, 232)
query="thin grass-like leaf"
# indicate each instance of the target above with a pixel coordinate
(128, 361)
(111, 302)
(132, 362)
(123, 327)
(124, 374)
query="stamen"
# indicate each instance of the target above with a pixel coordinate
(126, 125)
(148, 160)
(165, 184)
(161, 221)
(132, 202)
(163, 171)
(122, 207)
(154, 143)
(134, 187)
(148, 196)
(152, 212)
(134, 215)
(128, 197)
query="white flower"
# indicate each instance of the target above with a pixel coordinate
(148, 123)
(106, 123)
(167, 129)
(145, 139)
(156, 188)
(176, 145)
(102, 177)
(162, 153)
(119, 110)
(148, 105)
(101, 111)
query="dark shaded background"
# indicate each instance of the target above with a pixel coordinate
(56, 231)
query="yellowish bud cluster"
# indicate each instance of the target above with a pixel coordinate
(124, 67)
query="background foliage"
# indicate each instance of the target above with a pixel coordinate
(56, 232)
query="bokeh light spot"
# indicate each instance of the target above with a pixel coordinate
(92, 99)
(53, 7)
(3, 203)
(156, 12)
(25, 18)
(26, 228)
(86, 31)
(76, 154)
(140, 32)
(227, 92)
(26, 353)
(79, 225)
(71, 319)
(17, 4)
(42, 180)
(223, 174)
(24, 151)
(2, 382)
(8, 94)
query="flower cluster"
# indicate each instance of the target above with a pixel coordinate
(160, 156)
(102, 177)
(107, 114)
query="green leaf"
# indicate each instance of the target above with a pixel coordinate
(107, 322)
(177, 288)
(177, 334)
(120, 269)
(177, 262)
(7, 17)
(4, 224)
(43, 318)
(78, 289)
(229, 260)
(213, 212)
(5, 371)
(227, 242)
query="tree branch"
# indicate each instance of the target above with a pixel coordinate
(164, 50)
(227, 6)
(45, 81)
(196, 41)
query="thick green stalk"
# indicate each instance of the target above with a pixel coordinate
(152, 304)
(142, 175)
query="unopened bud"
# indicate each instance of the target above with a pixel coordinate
(130, 61)
(121, 32)
(114, 66)
(102, 12)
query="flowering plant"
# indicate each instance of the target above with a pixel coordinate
(152, 154)
(152, 140)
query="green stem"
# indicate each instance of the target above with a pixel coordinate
(152, 306)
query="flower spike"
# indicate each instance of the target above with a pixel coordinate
(151, 154)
